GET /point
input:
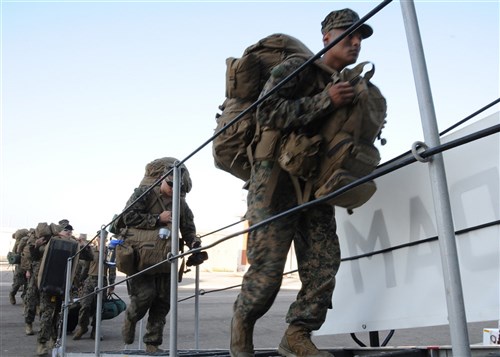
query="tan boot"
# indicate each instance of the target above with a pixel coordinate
(12, 298)
(297, 343)
(50, 343)
(41, 349)
(241, 338)
(80, 331)
(128, 331)
(152, 349)
(29, 329)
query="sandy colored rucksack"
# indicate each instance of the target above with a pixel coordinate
(152, 172)
(156, 168)
(245, 78)
(343, 150)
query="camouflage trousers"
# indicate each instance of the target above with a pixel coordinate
(313, 233)
(50, 307)
(32, 298)
(149, 292)
(19, 280)
(88, 304)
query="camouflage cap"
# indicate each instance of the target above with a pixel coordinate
(343, 19)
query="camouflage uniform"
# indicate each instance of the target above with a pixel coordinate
(50, 304)
(81, 274)
(88, 304)
(301, 104)
(32, 298)
(151, 292)
(19, 278)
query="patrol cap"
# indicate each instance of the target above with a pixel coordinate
(343, 19)
(68, 227)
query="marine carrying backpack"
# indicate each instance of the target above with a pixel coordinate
(341, 152)
(152, 173)
(245, 78)
(344, 149)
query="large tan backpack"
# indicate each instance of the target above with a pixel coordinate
(343, 150)
(158, 167)
(245, 78)
(140, 249)
(348, 149)
(152, 172)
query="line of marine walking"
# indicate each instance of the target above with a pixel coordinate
(280, 166)
(40, 282)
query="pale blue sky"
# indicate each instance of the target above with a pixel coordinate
(94, 90)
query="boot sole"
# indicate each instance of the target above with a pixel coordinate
(286, 353)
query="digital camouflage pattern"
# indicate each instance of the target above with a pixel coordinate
(32, 266)
(149, 292)
(152, 292)
(343, 19)
(88, 304)
(144, 213)
(50, 304)
(317, 250)
(310, 104)
(50, 308)
(81, 273)
(19, 278)
(301, 103)
(19, 281)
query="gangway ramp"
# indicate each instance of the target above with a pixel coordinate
(414, 351)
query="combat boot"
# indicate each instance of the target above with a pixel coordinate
(153, 349)
(29, 329)
(80, 331)
(12, 298)
(241, 338)
(297, 343)
(128, 331)
(92, 333)
(50, 343)
(41, 349)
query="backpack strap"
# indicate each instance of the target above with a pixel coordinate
(158, 199)
(302, 195)
(272, 182)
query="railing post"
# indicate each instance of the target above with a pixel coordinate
(67, 289)
(100, 278)
(439, 187)
(175, 263)
(197, 308)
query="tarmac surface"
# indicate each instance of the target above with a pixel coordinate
(215, 311)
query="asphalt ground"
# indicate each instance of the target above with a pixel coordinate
(215, 311)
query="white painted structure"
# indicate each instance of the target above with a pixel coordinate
(404, 287)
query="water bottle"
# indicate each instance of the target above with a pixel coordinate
(164, 233)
